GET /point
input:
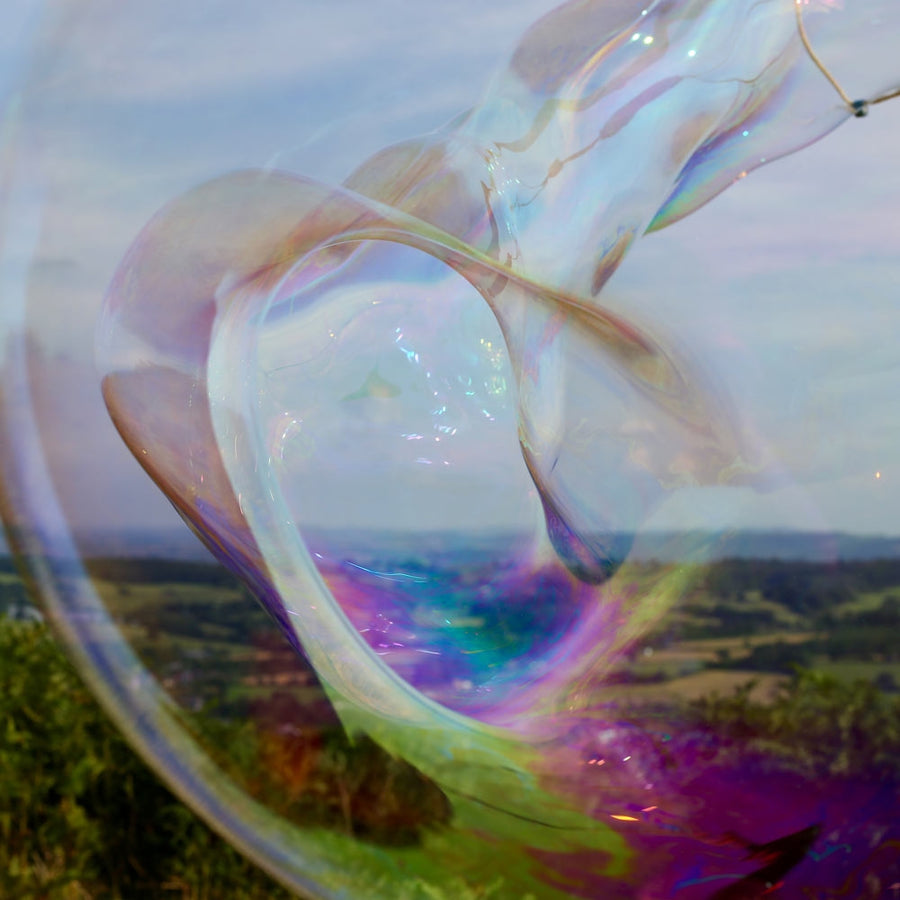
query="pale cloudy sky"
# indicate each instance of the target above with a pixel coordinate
(124, 105)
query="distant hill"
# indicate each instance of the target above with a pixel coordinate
(785, 545)
(180, 544)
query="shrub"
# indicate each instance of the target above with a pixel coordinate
(80, 815)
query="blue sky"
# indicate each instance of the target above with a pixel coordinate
(785, 286)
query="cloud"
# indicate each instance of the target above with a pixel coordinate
(172, 50)
(20, 20)
(131, 104)
(99, 483)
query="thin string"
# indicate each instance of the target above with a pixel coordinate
(895, 92)
(812, 54)
(859, 108)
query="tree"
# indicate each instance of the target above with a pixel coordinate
(80, 815)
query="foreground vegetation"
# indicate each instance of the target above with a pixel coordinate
(82, 818)
(80, 815)
(816, 722)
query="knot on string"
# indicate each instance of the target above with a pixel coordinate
(859, 108)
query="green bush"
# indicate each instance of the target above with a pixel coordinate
(80, 815)
(820, 723)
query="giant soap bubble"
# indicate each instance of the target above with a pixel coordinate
(515, 514)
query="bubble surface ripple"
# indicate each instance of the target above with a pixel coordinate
(268, 338)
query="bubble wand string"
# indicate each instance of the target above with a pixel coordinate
(859, 108)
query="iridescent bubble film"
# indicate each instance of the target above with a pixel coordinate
(573, 570)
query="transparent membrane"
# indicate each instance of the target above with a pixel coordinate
(523, 496)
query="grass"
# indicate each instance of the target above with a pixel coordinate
(866, 601)
(854, 670)
(698, 685)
